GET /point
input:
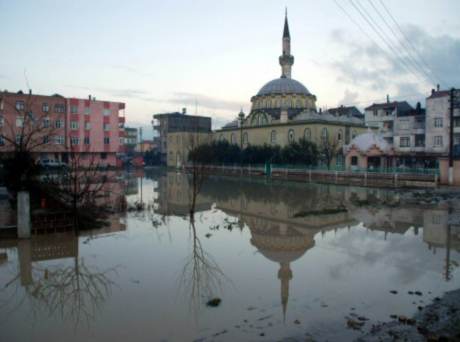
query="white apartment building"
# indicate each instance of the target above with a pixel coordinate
(438, 122)
(383, 115)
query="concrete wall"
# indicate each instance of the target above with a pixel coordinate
(444, 171)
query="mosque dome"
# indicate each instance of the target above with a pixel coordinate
(283, 85)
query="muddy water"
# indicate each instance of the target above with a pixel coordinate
(287, 260)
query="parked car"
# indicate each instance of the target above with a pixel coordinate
(52, 163)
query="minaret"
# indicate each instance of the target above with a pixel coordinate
(286, 60)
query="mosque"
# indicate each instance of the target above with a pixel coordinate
(284, 110)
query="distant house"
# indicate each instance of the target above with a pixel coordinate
(145, 146)
(166, 123)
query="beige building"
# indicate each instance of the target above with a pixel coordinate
(181, 143)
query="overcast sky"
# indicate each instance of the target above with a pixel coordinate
(159, 56)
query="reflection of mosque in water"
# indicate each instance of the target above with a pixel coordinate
(284, 218)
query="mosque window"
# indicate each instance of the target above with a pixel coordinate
(298, 103)
(233, 138)
(307, 134)
(340, 135)
(291, 136)
(273, 137)
(324, 134)
(245, 139)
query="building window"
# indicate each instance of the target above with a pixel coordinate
(273, 137)
(106, 140)
(1, 121)
(437, 122)
(291, 136)
(74, 140)
(404, 142)
(19, 121)
(233, 138)
(46, 122)
(74, 109)
(18, 139)
(103, 155)
(20, 105)
(307, 134)
(2, 140)
(45, 107)
(59, 108)
(87, 125)
(106, 111)
(59, 124)
(46, 139)
(87, 111)
(106, 127)
(221, 137)
(437, 141)
(339, 135)
(74, 125)
(354, 161)
(86, 140)
(59, 140)
(324, 134)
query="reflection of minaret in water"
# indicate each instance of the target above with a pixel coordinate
(285, 275)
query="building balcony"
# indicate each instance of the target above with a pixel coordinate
(387, 133)
(418, 130)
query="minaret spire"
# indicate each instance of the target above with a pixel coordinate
(286, 60)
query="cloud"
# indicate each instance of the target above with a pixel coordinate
(130, 69)
(349, 97)
(122, 93)
(366, 66)
(209, 102)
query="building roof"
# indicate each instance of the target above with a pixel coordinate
(346, 111)
(401, 106)
(328, 117)
(283, 85)
(438, 93)
(364, 142)
(286, 28)
(177, 114)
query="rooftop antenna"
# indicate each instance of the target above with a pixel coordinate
(27, 80)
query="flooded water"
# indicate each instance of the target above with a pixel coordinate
(287, 260)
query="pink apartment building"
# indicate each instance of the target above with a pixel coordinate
(53, 126)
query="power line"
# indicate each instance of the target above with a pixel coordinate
(378, 30)
(368, 36)
(414, 48)
(402, 44)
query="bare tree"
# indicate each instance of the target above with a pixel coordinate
(28, 130)
(329, 149)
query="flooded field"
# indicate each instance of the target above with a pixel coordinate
(286, 260)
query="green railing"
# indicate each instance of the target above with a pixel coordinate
(332, 168)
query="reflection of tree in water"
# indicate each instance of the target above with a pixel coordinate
(201, 276)
(71, 292)
(74, 293)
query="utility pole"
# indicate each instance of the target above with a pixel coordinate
(451, 138)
